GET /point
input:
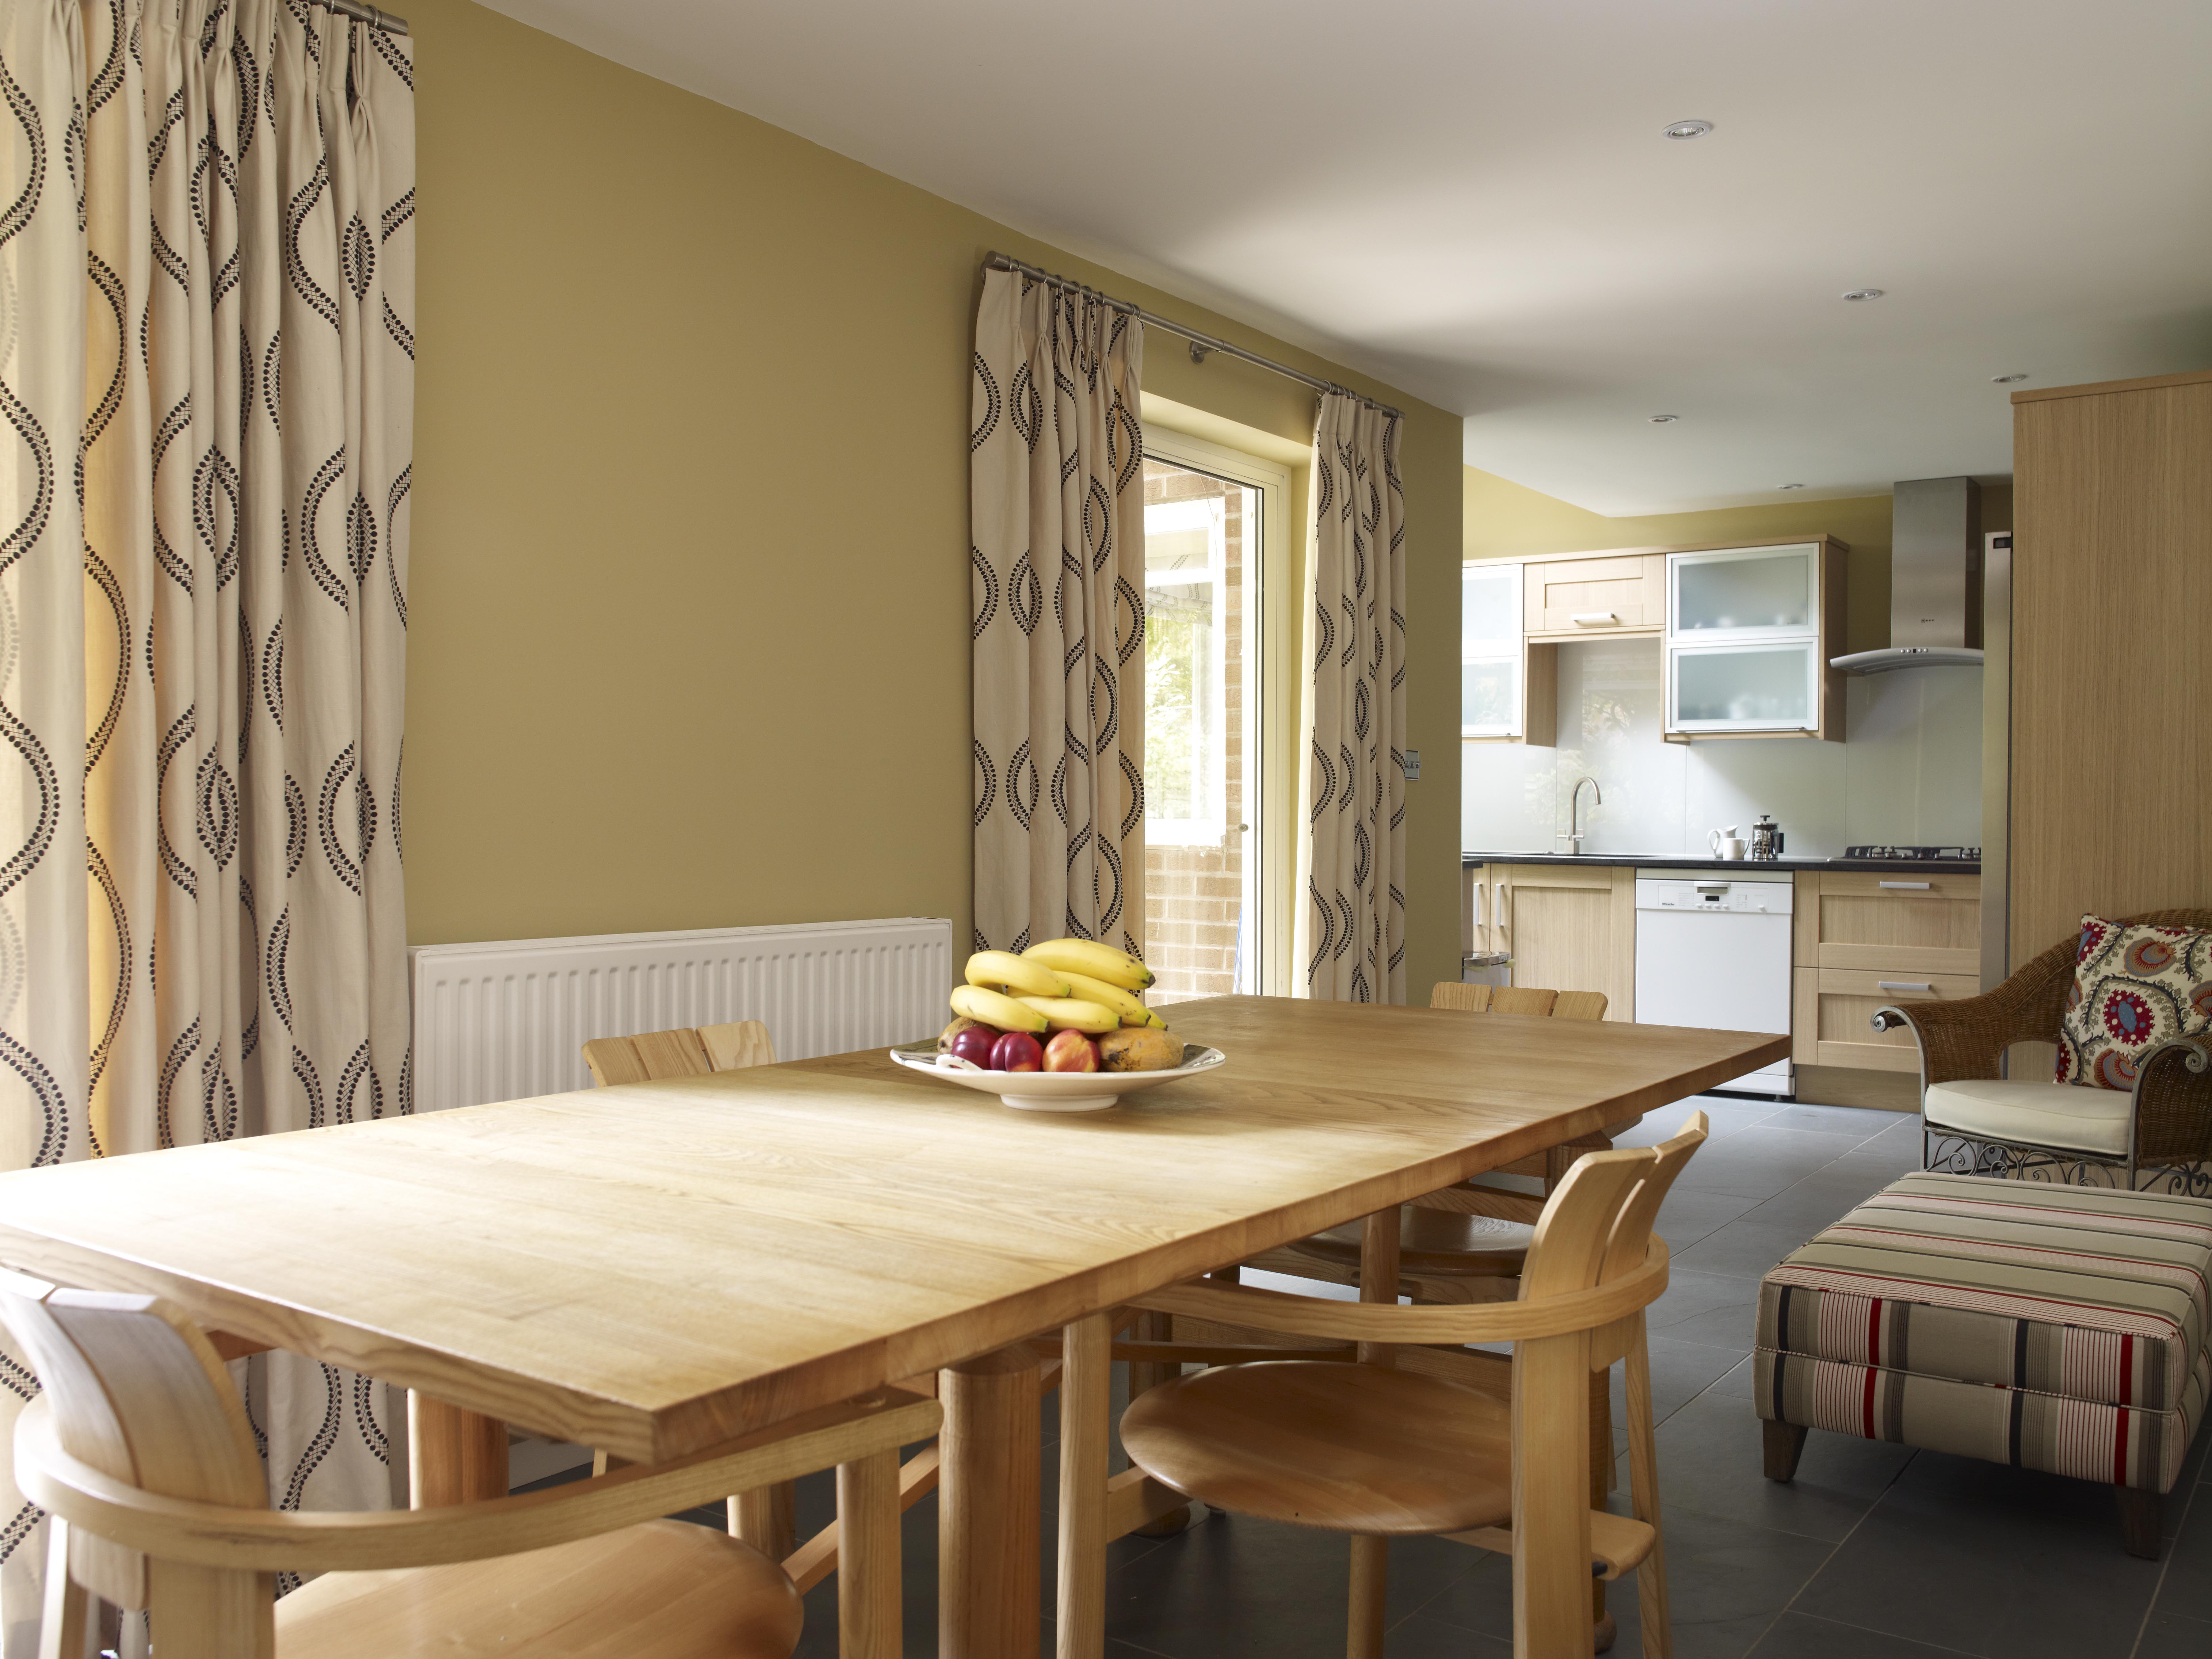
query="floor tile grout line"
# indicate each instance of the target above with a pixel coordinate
(1826, 1560)
(2164, 1565)
(1846, 1624)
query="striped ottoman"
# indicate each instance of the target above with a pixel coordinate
(2060, 1328)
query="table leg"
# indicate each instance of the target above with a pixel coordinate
(453, 1455)
(987, 1500)
(1601, 1483)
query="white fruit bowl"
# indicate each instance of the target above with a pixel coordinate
(1050, 1091)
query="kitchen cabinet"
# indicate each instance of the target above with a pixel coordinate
(1586, 597)
(1508, 687)
(1749, 633)
(1864, 941)
(1568, 927)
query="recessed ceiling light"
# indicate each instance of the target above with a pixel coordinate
(1661, 420)
(2005, 379)
(1864, 294)
(1689, 128)
(1790, 486)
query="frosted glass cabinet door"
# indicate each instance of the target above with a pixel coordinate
(1744, 688)
(1490, 651)
(1744, 593)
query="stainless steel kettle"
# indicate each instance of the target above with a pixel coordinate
(1766, 839)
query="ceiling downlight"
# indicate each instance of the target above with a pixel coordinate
(1865, 294)
(2005, 379)
(1688, 129)
(1661, 420)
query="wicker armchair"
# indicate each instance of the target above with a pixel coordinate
(2165, 1122)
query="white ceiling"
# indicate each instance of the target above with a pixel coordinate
(1472, 200)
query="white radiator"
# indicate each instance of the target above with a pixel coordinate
(508, 1019)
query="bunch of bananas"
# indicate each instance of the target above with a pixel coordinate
(1062, 985)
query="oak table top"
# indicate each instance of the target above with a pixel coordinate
(656, 1267)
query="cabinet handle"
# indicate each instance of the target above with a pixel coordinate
(1482, 918)
(1596, 619)
(1906, 886)
(1905, 985)
(1504, 926)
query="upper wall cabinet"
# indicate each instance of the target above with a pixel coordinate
(1583, 599)
(1748, 639)
(1507, 687)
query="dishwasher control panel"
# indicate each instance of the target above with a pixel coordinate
(1720, 897)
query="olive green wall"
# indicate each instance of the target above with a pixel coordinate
(690, 581)
(1507, 520)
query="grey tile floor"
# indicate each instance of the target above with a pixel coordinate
(1874, 1551)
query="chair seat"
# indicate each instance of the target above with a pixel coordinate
(2065, 1116)
(663, 1589)
(1440, 1243)
(1350, 1448)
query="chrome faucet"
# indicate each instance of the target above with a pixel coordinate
(1574, 810)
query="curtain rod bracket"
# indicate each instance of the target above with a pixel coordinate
(1198, 353)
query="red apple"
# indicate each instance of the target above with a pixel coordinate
(1017, 1051)
(974, 1044)
(1070, 1051)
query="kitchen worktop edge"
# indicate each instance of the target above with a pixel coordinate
(1685, 861)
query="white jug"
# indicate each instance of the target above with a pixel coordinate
(1725, 843)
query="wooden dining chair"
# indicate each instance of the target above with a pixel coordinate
(1390, 1444)
(680, 1053)
(1516, 1000)
(139, 1450)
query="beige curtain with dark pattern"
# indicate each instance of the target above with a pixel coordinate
(1056, 479)
(206, 294)
(1352, 928)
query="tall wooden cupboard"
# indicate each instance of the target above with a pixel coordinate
(2112, 630)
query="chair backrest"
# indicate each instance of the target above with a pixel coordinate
(1516, 1000)
(680, 1053)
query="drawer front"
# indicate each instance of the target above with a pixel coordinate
(1832, 1023)
(1591, 598)
(1909, 926)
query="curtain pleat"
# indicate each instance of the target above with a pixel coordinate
(1352, 929)
(1056, 476)
(206, 249)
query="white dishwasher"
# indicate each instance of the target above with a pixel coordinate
(1715, 954)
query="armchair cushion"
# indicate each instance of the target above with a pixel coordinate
(2134, 987)
(2053, 1114)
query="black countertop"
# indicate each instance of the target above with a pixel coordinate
(1685, 861)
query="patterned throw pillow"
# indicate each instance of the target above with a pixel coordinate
(2133, 988)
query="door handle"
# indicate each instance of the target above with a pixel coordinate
(1905, 886)
(1904, 985)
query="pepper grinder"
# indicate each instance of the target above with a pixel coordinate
(1766, 839)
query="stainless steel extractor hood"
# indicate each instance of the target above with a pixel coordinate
(1935, 579)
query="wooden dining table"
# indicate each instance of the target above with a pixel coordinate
(657, 1267)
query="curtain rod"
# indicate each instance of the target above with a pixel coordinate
(1201, 344)
(366, 13)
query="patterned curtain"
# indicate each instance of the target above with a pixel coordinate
(1352, 929)
(206, 362)
(1056, 506)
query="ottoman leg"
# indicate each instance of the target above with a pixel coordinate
(1784, 1442)
(2140, 1514)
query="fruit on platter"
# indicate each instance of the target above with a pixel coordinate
(1070, 1051)
(1085, 988)
(1065, 1014)
(975, 1044)
(995, 1008)
(1017, 976)
(960, 1023)
(1093, 960)
(1140, 1049)
(1017, 1051)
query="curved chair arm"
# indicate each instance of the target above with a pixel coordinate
(1381, 1322)
(272, 1541)
(1966, 1039)
(2172, 1116)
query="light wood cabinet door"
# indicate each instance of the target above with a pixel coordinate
(1588, 599)
(1570, 928)
(1832, 1021)
(1900, 926)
